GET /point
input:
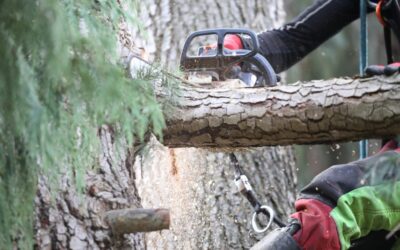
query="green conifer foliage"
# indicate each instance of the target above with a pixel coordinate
(60, 79)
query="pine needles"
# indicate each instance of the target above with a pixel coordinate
(60, 79)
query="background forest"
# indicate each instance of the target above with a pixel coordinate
(339, 57)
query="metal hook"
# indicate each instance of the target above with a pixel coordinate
(256, 226)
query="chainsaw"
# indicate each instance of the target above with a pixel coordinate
(204, 55)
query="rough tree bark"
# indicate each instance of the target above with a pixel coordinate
(197, 184)
(314, 112)
(126, 221)
(75, 221)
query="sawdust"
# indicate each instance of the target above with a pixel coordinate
(205, 80)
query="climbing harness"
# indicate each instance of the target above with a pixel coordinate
(244, 187)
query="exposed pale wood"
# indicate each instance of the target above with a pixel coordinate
(323, 111)
(124, 221)
(197, 185)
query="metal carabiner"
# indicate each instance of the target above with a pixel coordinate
(256, 226)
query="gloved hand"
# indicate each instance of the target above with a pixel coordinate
(387, 70)
(347, 202)
(352, 205)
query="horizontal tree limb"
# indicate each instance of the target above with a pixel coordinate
(324, 111)
(137, 220)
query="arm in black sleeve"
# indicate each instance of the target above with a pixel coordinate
(287, 45)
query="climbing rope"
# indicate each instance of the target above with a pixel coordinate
(363, 60)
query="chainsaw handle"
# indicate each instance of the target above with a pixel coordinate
(219, 60)
(268, 73)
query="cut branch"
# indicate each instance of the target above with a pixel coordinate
(324, 111)
(137, 220)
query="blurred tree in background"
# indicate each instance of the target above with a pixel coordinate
(339, 56)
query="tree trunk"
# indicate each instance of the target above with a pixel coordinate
(197, 184)
(314, 112)
(167, 23)
(75, 221)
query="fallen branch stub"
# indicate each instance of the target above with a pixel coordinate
(137, 220)
(324, 111)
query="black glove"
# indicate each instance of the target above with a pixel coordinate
(387, 70)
